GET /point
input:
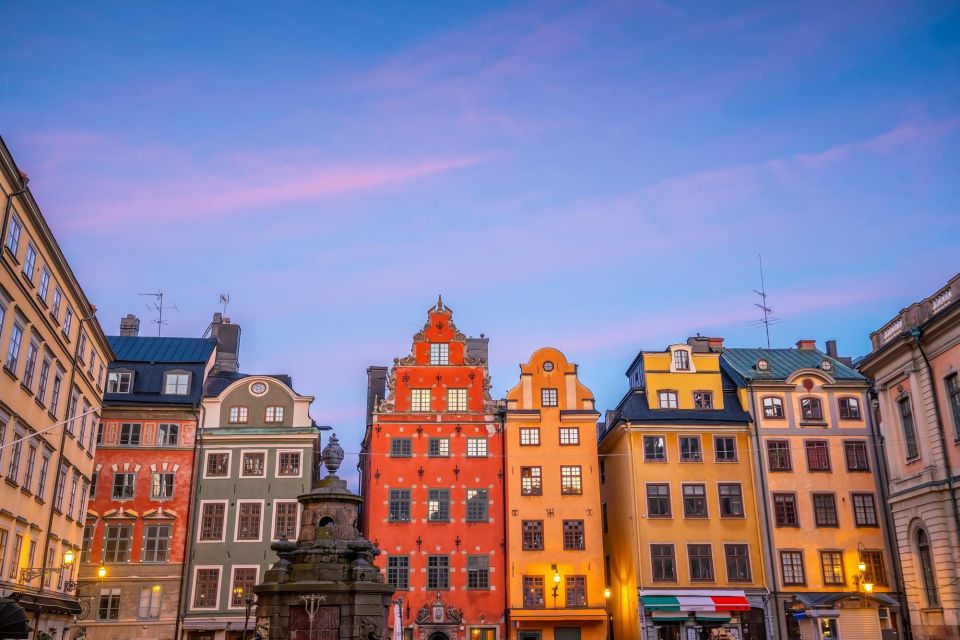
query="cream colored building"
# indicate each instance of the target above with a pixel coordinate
(54, 359)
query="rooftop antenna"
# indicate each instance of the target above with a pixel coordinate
(159, 307)
(224, 300)
(768, 318)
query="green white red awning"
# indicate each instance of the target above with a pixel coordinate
(694, 602)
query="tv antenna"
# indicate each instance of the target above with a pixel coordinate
(159, 307)
(768, 318)
(224, 300)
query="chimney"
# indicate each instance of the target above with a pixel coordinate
(716, 344)
(806, 345)
(832, 348)
(130, 325)
(703, 344)
(227, 336)
(478, 348)
(376, 389)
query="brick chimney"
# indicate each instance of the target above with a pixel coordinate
(376, 389)
(703, 344)
(806, 345)
(227, 336)
(130, 325)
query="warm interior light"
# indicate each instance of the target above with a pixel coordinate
(606, 593)
(556, 578)
(102, 572)
(156, 588)
(238, 591)
(862, 566)
(868, 587)
(68, 557)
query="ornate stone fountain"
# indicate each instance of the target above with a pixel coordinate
(324, 585)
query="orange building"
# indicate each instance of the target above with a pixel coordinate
(432, 479)
(555, 585)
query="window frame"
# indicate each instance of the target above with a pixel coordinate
(857, 509)
(275, 517)
(237, 515)
(727, 547)
(443, 501)
(850, 411)
(730, 498)
(233, 584)
(819, 445)
(671, 396)
(474, 447)
(795, 554)
(685, 457)
(535, 483)
(177, 374)
(227, 466)
(564, 434)
(792, 495)
(568, 479)
(653, 457)
(397, 443)
(243, 459)
(473, 517)
(117, 377)
(417, 399)
(195, 583)
(716, 449)
(401, 496)
(705, 400)
(775, 407)
(849, 445)
(672, 556)
(439, 354)
(156, 540)
(458, 400)
(700, 499)
(529, 532)
(825, 513)
(223, 523)
(398, 571)
(823, 553)
(658, 497)
(570, 533)
(531, 435)
(699, 557)
(811, 409)
(442, 448)
(909, 428)
(434, 572)
(278, 468)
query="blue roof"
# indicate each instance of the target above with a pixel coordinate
(159, 349)
(741, 364)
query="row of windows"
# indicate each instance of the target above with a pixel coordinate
(206, 586)
(437, 447)
(811, 408)
(148, 607)
(694, 495)
(779, 457)
(175, 383)
(125, 485)
(117, 543)
(249, 520)
(571, 480)
(438, 505)
(574, 591)
(911, 446)
(787, 514)
(567, 436)
(691, 449)
(532, 535)
(663, 562)
(12, 566)
(253, 464)
(168, 435)
(832, 572)
(457, 399)
(669, 399)
(438, 572)
(240, 414)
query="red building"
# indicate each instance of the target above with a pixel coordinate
(432, 479)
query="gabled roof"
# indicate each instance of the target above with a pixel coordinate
(159, 349)
(218, 381)
(742, 364)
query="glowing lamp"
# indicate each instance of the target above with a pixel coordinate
(68, 557)
(102, 572)
(606, 593)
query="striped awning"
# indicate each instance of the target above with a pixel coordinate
(703, 601)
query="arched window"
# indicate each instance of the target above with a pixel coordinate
(811, 409)
(926, 568)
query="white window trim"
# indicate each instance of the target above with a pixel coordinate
(236, 520)
(223, 531)
(233, 568)
(193, 586)
(706, 501)
(276, 468)
(266, 460)
(177, 372)
(206, 455)
(273, 520)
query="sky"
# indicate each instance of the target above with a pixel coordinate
(601, 178)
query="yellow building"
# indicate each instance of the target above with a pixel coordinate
(682, 535)
(55, 358)
(555, 584)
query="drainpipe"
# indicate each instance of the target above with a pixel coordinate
(502, 417)
(191, 518)
(641, 617)
(768, 531)
(6, 213)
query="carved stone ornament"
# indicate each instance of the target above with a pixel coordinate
(262, 630)
(332, 455)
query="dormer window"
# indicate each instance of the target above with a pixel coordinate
(274, 414)
(763, 365)
(826, 365)
(681, 360)
(702, 400)
(668, 399)
(176, 384)
(439, 353)
(120, 382)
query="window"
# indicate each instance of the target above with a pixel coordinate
(93, 484)
(456, 400)
(44, 379)
(84, 547)
(476, 447)
(253, 464)
(238, 415)
(569, 435)
(244, 579)
(13, 467)
(438, 505)
(420, 400)
(818, 455)
(116, 542)
(811, 409)
(731, 500)
(573, 535)
(478, 572)
(30, 261)
(533, 595)
(531, 482)
(123, 485)
(681, 360)
(791, 565)
(212, 515)
(785, 510)
(399, 505)
(13, 234)
(548, 397)
(438, 572)
(738, 562)
(865, 510)
(849, 409)
(438, 447)
(575, 588)
(31, 364)
(529, 436)
(772, 407)
(14, 573)
(162, 486)
(274, 414)
(702, 400)
(156, 543)
(67, 322)
(401, 448)
(658, 500)
(100, 433)
(778, 455)
(176, 384)
(663, 562)
(694, 501)
(532, 535)
(953, 396)
(668, 399)
(129, 434)
(55, 392)
(60, 488)
(119, 382)
(725, 448)
(701, 562)
(926, 568)
(205, 588)
(44, 470)
(31, 465)
(74, 485)
(288, 464)
(13, 346)
(72, 412)
(150, 598)
(439, 353)
(690, 449)
(603, 517)
(570, 481)
(477, 505)
(44, 284)
(81, 345)
(831, 564)
(218, 465)
(909, 432)
(249, 516)
(109, 605)
(654, 449)
(168, 435)
(285, 519)
(825, 510)
(398, 572)
(875, 572)
(57, 300)
(855, 452)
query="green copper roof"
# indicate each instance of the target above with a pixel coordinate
(742, 364)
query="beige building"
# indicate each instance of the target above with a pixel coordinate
(55, 359)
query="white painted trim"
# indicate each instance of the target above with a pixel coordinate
(236, 519)
(223, 531)
(273, 520)
(233, 568)
(276, 466)
(266, 459)
(193, 586)
(206, 455)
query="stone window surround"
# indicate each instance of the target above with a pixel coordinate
(193, 586)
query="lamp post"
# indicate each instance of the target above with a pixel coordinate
(861, 578)
(556, 584)
(248, 602)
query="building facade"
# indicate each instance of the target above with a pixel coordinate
(255, 458)
(433, 485)
(555, 580)
(915, 366)
(831, 573)
(681, 519)
(137, 521)
(55, 359)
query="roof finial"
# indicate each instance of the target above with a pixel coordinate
(440, 302)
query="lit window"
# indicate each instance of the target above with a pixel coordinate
(439, 353)
(831, 563)
(150, 598)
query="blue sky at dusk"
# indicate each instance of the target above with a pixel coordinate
(599, 178)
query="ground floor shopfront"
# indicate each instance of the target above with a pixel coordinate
(218, 628)
(51, 613)
(839, 616)
(694, 614)
(559, 624)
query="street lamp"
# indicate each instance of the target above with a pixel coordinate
(29, 573)
(861, 579)
(70, 585)
(606, 593)
(556, 584)
(238, 591)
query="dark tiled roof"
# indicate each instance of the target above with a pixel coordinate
(158, 349)
(741, 364)
(217, 381)
(148, 384)
(636, 408)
